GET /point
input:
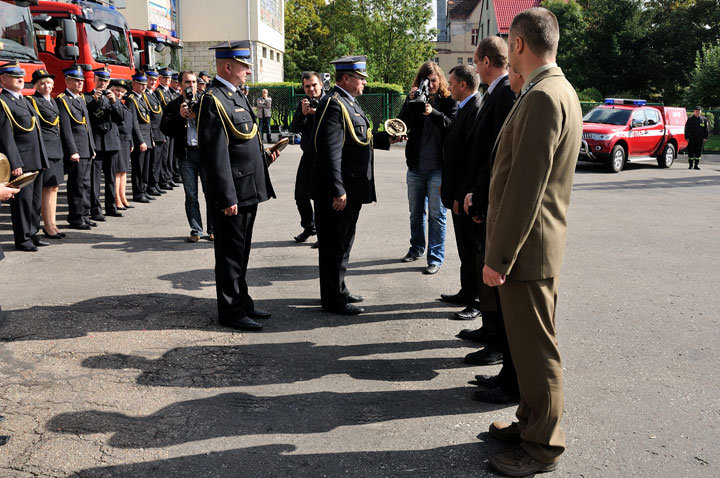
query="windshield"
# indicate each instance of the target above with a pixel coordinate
(169, 56)
(17, 39)
(607, 116)
(110, 45)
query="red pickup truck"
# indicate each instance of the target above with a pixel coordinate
(621, 131)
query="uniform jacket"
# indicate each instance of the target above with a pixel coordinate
(532, 178)
(443, 113)
(129, 129)
(165, 96)
(49, 117)
(153, 104)
(75, 130)
(105, 116)
(264, 107)
(139, 108)
(495, 108)
(457, 152)
(344, 155)
(24, 149)
(232, 151)
(696, 129)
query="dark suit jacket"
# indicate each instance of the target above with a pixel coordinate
(305, 125)
(136, 104)
(175, 126)
(232, 151)
(24, 149)
(75, 130)
(153, 104)
(532, 178)
(105, 117)
(48, 115)
(443, 113)
(457, 152)
(492, 115)
(343, 165)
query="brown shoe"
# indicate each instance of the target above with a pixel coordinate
(517, 462)
(193, 238)
(211, 237)
(505, 432)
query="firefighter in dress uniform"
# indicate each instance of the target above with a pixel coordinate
(696, 133)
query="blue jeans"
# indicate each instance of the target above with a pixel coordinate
(190, 169)
(424, 199)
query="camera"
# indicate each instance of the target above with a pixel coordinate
(190, 98)
(422, 96)
(106, 92)
(314, 103)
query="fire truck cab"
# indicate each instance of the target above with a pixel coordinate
(158, 49)
(628, 130)
(17, 39)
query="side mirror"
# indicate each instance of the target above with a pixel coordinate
(136, 57)
(159, 47)
(637, 124)
(98, 26)
(70, 51)
(69, 29)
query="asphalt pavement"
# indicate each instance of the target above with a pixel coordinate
(113, 364)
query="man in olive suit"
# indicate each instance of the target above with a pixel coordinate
(532, 175)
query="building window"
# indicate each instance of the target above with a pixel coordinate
(482, 32)
(470, 61)
(487, 4)
(488, 27)
(278, 57)
(474, 36)
(460, 60)
(264, 52)
(272, 54)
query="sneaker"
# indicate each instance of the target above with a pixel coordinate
(517, 462)
(409, 258)
(431, 269)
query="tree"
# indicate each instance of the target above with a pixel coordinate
(571, 48)
(305, 36)
(705, 78)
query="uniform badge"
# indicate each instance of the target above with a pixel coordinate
(229, 93)
(238, 110)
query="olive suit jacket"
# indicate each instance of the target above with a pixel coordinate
(532, 176)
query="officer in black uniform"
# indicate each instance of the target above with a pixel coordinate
(79, 147)
(21, 141)
(159, 152)
(343, 179)
(105, 116)
(238, 179)
(143, 146)
(165, 95)
(696, 133)
(130, 135)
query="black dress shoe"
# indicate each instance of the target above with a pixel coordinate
(456, 299)
(303, 236)
(487, 356)
(129, 206)
(149, 197)
(97, 217)
(52, 236)
(142, 199)
(479, 336)
(80, 225)
(154, 193)
(242, 323)
(4, 439)
(259, 314)
(37, 242)
(90, 223)
(354, 299)
(344, 309)
(486, 381)
(468, 313)
(495, 395)
(26, 248)
(114, 214)
(315, 246)
(409, 258)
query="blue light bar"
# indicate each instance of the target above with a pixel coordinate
(153, 27)
(623, 101)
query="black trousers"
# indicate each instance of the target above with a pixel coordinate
(25, 212)
(302, 193)
(140, 171)
(336, 234)
(233, 238)
(166, 169)
(78, 190)
(694, 149)
(110, 161)
(159, 156)
(467, 246)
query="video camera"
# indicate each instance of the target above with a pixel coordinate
(421, 97)
(190, 99)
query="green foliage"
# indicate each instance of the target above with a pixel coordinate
(590, 94)
(571, 47)
(713, 144)
(710, 119)
(705, 77)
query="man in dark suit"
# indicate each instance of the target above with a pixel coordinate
(491, 62)
(237, 178)
(105, 116)
(21, 141)
(343, 179)
(79, 147)
(179, 124)
(535, 156)
(142, 149)
(458, 142)
(160, 151)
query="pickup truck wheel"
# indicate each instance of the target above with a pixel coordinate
(667, 157)
(617, 159)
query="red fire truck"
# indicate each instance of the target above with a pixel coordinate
(158, 49)
(86, 33)
(623, 130)
(17, 39)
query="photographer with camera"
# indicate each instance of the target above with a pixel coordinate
(105, 116)
(428, 111)
(304, 123)
(180, 123)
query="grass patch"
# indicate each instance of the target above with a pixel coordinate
(713, 143)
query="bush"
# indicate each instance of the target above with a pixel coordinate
(710, 119)
(590, 94)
